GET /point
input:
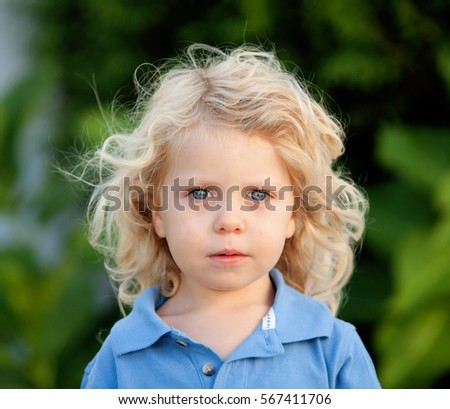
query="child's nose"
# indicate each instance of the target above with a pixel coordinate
(230, 217)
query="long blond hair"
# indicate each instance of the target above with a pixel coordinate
(250, 90)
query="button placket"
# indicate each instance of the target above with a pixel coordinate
(206, 362)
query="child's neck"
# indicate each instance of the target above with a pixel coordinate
(191, 296)
(220, 319)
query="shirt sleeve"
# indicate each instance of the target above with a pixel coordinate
(101, 373)
(357, 370)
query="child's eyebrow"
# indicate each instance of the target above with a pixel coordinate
(264, 184)
(192, 182)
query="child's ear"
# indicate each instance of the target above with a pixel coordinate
(291, 228)
(158, 224)
(294, 223)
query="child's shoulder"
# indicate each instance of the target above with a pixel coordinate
(142, 327)
(300, 317)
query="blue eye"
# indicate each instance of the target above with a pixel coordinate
(199, 194)
(258, 195)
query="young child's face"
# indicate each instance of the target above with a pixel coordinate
(227, 210)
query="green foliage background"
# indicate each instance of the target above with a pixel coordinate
(384, 67)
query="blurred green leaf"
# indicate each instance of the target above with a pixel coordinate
(259, 14)
(442, 195)
(17, 107)
(360, 69)
(366, 294)
(414, 334)
(422, 268)
(44, 313)
(410, 154)
(415, 351)
(443, 63)
(395, 210)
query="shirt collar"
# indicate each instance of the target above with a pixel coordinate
(142, 327)
(297, 318)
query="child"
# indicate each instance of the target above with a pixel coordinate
(230, 235)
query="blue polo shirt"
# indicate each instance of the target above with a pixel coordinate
(299, 345)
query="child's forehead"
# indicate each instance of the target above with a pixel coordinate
(225, 144)
(217, 137)
(210, 131)
(225, 151)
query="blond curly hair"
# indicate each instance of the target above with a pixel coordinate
(248, 89)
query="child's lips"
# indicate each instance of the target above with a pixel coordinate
(228, 256)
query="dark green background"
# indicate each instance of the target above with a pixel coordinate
(384, 70)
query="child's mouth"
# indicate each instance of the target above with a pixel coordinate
(228, 256)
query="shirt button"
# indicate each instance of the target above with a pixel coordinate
(209, 369)
(181, 342)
